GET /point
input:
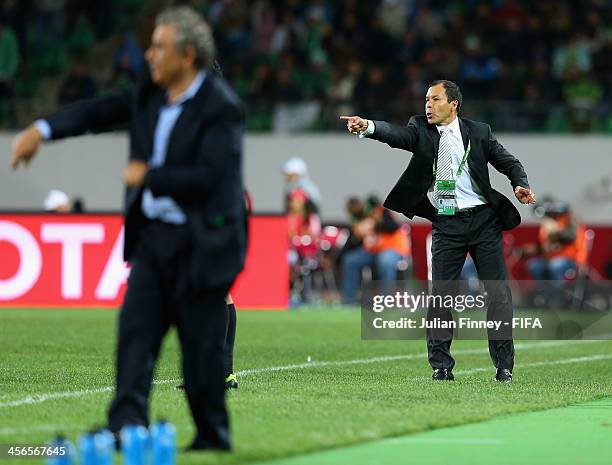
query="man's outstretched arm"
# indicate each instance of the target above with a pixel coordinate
(97, 115)
(399, 137)
(504, 162)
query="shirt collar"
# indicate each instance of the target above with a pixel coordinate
(193, 89)
(453, 127)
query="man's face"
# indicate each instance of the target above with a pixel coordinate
(291, 177)
(437, 107)
(166, 63)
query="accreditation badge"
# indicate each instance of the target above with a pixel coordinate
(446, 185)
(447, 202)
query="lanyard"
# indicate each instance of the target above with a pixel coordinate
(461, 165)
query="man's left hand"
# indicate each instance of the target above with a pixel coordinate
(524, 195)
(134, 173)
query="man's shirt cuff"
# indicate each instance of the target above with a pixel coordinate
(369, 131)
(43, 126)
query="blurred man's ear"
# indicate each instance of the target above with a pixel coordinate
(190, 54)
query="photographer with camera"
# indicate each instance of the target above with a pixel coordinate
(559, 244)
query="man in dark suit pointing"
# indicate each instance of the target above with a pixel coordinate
(447, 182)
(184, 219)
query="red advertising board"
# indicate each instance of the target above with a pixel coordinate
(76, 261)
(598, 257)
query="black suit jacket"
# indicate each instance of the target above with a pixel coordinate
(409, 196)
(202, 170)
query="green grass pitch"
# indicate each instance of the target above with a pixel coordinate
(56, 375)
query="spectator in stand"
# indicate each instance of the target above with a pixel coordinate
(372, 89)
(572, 56)
(78, 85)
(297, 179)
(14, 14)
(289, 34)
(129, 58)
(78, 205)
(57, 201)
(479, 68)
(384, 245)
(304, 232)
(264, 29)
(583, 96)
(9, 60)
(286, 90)
(356, 211)
(49, 22)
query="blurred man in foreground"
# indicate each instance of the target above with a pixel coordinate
(184, 219)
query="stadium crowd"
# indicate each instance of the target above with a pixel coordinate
(547, 61)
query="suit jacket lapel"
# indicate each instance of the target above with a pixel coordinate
(193, 109)
(465, 133)
(435, 138)
(471, 161)
(158, 101)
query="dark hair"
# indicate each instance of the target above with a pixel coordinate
(453, 92)
(373, 201)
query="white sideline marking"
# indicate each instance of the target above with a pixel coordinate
(40, 398)
(454, 441)
(459, 441)
(29, 429)
(391, 358)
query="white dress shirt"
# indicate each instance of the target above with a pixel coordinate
(466, 191)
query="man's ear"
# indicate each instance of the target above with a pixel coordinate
(190, 53)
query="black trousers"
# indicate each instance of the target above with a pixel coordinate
(453, 237)
(159, 294)
(230, 339)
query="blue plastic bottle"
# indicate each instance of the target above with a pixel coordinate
(87, 449)
(104, 443)
(163, 439)
(61, 444)
(134, 445)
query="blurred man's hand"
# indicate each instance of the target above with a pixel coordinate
(134, 173)
(25, 146)
(524, 195)
(355, 124)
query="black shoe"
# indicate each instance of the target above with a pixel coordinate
(231, 382)
(221, 445)
(503, 375)
(440, 374)
(207, 447)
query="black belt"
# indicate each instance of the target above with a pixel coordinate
(465, 212)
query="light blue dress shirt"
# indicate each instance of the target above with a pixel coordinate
(165, 208)
(161, 208)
